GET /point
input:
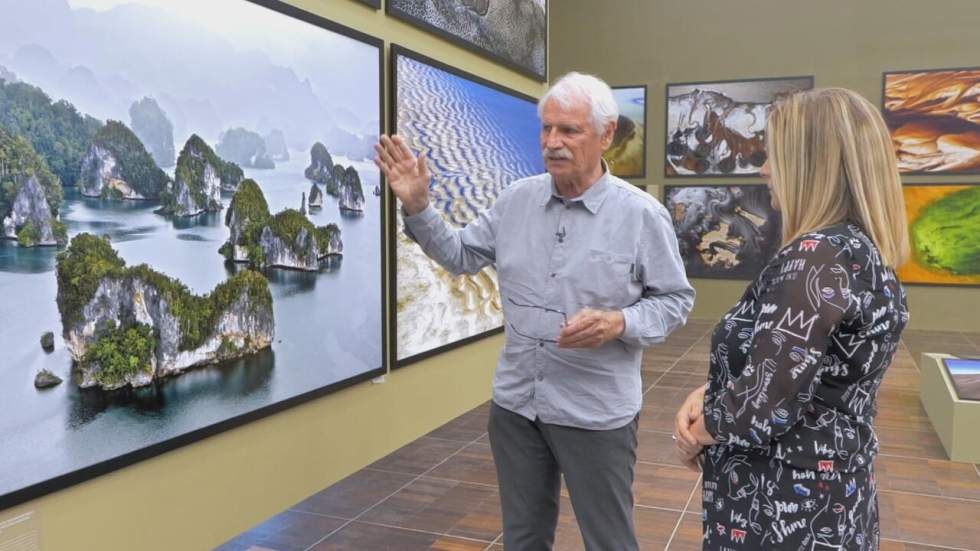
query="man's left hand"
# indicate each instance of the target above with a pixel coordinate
(592, 329)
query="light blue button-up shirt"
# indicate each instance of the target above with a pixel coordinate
(612, 248)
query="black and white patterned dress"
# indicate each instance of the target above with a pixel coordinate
(794, 372)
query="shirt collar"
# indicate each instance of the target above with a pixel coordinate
(592, 198)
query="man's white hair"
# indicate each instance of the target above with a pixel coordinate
(575, 88)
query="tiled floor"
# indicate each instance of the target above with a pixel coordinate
(440, 492)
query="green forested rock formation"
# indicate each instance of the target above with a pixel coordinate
(117, 166)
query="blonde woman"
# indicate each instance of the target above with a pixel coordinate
(785, 421)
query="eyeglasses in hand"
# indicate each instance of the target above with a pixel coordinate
(564, 320)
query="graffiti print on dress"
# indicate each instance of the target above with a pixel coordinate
(808, 245)
(794, 371)
(794, 324)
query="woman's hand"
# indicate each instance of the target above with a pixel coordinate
(691, 409)
(689, 449)
(692, 462)
(701, 433)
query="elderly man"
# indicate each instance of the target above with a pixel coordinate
(590, 274)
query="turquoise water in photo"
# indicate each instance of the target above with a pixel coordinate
(328, 328)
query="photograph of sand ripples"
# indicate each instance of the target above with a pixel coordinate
(934, 118)
(477, 138)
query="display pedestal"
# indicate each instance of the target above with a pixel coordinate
(957, 422)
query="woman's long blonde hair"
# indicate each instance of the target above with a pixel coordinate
(831, 159)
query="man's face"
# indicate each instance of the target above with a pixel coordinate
(570, 145)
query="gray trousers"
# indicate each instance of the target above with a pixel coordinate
(598, 467)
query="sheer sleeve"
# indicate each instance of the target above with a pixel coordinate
(800, 300)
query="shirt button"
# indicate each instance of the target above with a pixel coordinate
(540, 377)
(553, 274)
(540, 345)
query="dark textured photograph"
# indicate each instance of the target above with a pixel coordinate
(511, 32)
(191, 224)
(724, 232)
(934, 119)
(719, 128)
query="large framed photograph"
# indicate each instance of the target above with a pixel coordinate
(719, 128)
(965, 373)
(934, 119)
(627, 156)
(192, 225)
(477, 137)
(943, 228)
(724, 232)
(513, 33)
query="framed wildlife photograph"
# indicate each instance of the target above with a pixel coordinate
(719, 128)
(724, 232)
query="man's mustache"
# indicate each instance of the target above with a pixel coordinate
(557, 154)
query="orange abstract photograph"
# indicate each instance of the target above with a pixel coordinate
(934, 119)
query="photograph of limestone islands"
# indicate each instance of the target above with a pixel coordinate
(192, 224)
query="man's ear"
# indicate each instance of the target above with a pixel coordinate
(608, 134)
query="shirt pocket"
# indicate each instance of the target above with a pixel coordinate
(604, 279)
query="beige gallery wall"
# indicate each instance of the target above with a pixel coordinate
(198, 496)
(840, 42)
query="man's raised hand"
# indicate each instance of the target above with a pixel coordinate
(407, 176)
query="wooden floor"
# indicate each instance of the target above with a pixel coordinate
(440, 492)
